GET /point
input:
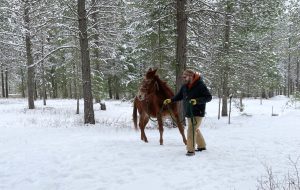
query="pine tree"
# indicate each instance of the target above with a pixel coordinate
(85, 64)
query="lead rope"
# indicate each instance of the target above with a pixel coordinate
(147, 112)
(171, 115)
(193, 121)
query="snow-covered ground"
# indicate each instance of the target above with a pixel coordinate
(49, 148)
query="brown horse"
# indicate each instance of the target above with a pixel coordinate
(149, 103)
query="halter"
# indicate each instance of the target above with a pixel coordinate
(146, 95)
(144, 88)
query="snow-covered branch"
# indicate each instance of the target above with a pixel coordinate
(52, 52)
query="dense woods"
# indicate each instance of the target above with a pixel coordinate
(94, 49)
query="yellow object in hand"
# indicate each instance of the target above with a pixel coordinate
(193, 101)
(167, 101)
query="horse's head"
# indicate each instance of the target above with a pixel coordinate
(149, 84)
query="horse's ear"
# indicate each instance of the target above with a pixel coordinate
(151, 73)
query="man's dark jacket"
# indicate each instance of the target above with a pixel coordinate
(197, 91)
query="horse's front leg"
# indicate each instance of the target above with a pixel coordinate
(142, 124)
(180, 126)
(161, 129)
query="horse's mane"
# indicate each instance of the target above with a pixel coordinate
(164, 88)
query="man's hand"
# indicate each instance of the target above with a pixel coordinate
(193, 101)
(167, 101)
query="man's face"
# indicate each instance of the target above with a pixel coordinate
(187, 78)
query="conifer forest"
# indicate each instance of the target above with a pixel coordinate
(101, 49)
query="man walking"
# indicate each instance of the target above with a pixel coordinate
(195, 95)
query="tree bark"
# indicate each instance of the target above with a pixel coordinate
(53, 82)
(263, 94)
(2, 83)
(85, 61)
(219, 106)
(241, 102)
(181, 48)
(30, 67)
(96, 52)
(226, 45)
(23, 83)
(109, 81)
(159, 44)
(117, 87)
(76, 83)
(297, 76)
(230, 100)
(44, 94)
(6, 83)
(289, 66)
(35, 91)
(70, 92)
(285, 85)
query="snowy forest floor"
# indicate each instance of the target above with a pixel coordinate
(49, 148)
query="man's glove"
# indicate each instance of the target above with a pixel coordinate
(193, 101)
(167, 101)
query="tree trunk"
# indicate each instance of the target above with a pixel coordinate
(85, 64)
(53, 82)
(109, 87)
(159, 44)
(96, 52)
(289, 67)
(226, 45)
(64, 81)
(224, 94)
(219, 107)
(117, 87)
(30, 67)
(2, 83)
(23, 83)
(181, 49)
(70, 90)
(271, 93)
(65, 88)
(285, 85)
(263, 94)
(35, 91)
(117, 94)
(230, 100)
(6, 83)
(241, 102)
(44, 94)
(76, 77)
(297, 76)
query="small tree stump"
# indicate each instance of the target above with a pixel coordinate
(102, 106)
(274, 114)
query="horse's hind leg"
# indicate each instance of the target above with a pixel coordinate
(142, 124)
(161, 129)
(180, 126)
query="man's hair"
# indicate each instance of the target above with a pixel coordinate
(189, 72)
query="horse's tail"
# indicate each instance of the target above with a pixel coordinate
(134, 114)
